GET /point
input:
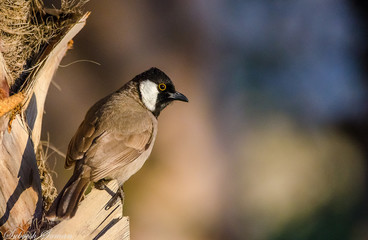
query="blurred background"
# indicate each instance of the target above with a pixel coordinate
(273, 144)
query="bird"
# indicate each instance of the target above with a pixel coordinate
(115, 139)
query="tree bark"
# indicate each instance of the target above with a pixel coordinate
(22, 100)
(92, 220)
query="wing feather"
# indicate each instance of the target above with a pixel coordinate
(80, 143)
(114, 150)
(105, 147)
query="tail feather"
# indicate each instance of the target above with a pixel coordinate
(66, 203)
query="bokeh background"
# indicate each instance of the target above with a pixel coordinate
(273, 144)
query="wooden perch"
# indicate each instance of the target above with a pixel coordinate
(92, 221)
(22, 99)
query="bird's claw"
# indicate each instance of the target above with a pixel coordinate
(114, 199)
(101, 184)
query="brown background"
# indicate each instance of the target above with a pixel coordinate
(272, 142)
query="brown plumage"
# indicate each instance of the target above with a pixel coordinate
(115, 138)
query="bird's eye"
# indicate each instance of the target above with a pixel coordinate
(162, 86)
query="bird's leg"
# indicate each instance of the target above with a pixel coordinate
(101, 184)
(119, 194)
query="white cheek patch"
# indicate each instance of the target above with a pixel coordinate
(149, 94)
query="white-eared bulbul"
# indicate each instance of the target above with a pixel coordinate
(115, 138)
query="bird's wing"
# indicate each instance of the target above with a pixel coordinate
(107, 145)
(81, 142)
(87, 132)
(114, 150)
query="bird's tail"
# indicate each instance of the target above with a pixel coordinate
(66, 203)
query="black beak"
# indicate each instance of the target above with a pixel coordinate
(178, 96)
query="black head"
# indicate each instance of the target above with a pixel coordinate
(157, 90)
